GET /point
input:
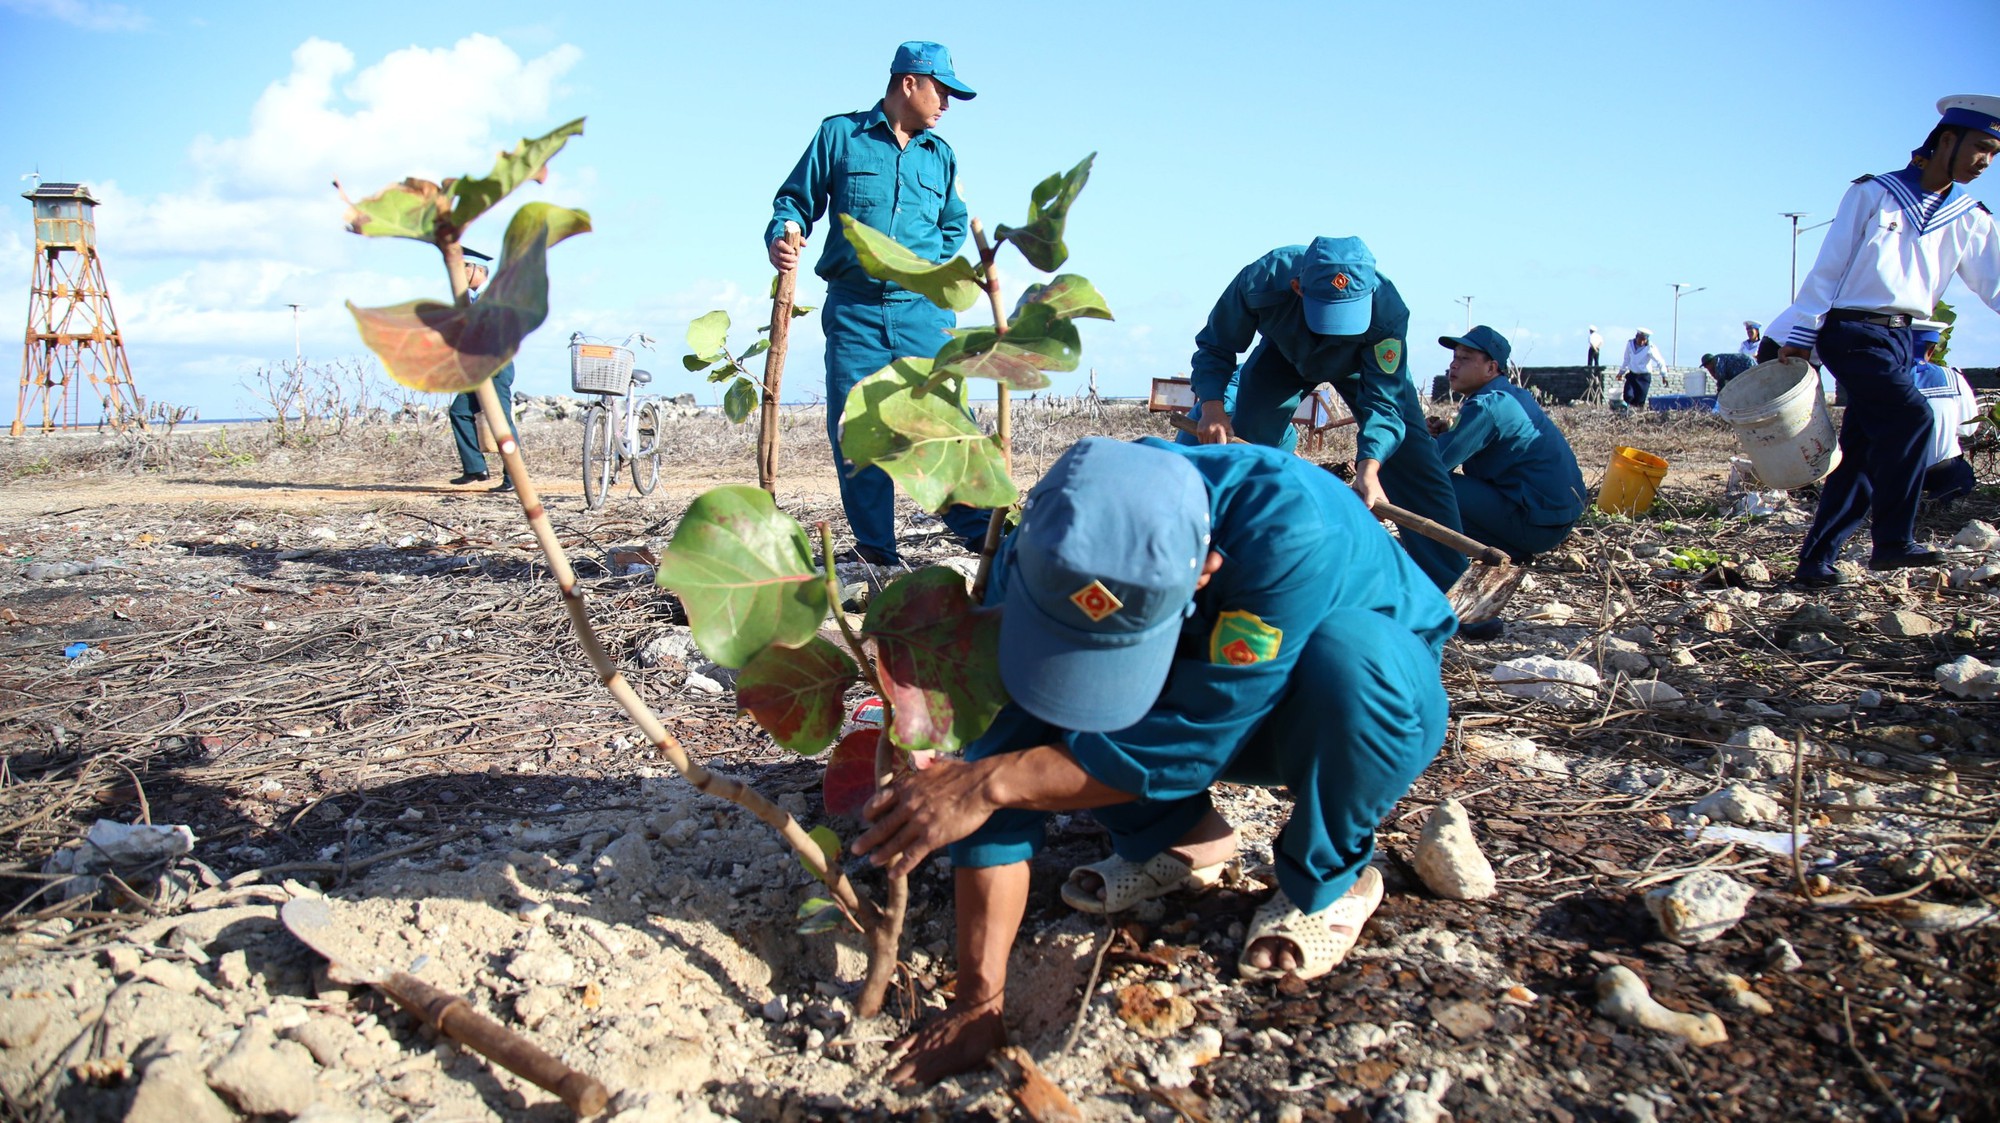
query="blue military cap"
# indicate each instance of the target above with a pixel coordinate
(1929, 335)
(920, 57)
(1099, 577)
(1482, 338)
(1978, 112)
(1337, 280)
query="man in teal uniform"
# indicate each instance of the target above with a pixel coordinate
(1519, 487)
(465, 407)
(1239, 617)
(890, 171)
(1326, 315)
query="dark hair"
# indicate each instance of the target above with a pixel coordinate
(1930, 146)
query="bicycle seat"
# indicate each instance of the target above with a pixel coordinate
(641, 377)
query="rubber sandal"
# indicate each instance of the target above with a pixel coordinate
(1321, 949)
(1128, 883)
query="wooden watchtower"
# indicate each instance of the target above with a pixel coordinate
(72, 332)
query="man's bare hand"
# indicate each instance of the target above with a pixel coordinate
(784, 255)
(1437, 425)
(1212, 427)
(957, 1040)
(922, 811)
(1795, 353)
(1366, 485)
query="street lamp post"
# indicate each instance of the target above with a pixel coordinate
(298, 353)
(1681, 288)
(1467, 301)
(1795, 216)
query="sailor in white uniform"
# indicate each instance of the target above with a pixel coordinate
(1894, 245)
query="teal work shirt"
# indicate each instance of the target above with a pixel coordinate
(1296, 544)
(854, 166)
(1260, 301)
(1503, 437)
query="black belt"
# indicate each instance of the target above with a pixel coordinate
(1879, 319)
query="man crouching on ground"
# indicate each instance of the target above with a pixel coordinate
(1240, 617)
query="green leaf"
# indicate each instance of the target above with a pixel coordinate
(698, 362)
(472, 197)
(927, 444)
(1041, 240)
(799, 310)
(706, 333)
(445, 348)
(819, 915)
(795, 693)
(755, 349)
(952, 285)
(739, 400)
(1036, 341)
(1072, 297)
(938, 658)
(829, 845)
(408, 209)
(744, 571)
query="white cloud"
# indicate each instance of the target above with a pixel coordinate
(82, 13)
(209, 269)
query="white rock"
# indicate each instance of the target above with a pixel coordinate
(1736, 991)
(628, 859)
(1448, 856)
(702, 684)
(1868, 700)
(1977, 535)
(1411, 1107)
(1903, 623)
(1967, 677)
(1782, 956)
(173, 1091)
(1518, 750)
(1652, 693)
(547, 968)
(1756, 752)
(1699, 907)
(265, 1076)
(1738, 804)
(1622, 997)
(1565, 683)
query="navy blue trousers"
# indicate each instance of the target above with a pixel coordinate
(1883, 438)
(1268, 391)
(1638, 385)
(862, 337)
(465, 431)
(1949, 480)
(1492, 518)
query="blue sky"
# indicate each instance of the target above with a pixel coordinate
(1560, 163)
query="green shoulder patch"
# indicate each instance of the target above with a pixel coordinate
(1389, 355)
(1242, 638)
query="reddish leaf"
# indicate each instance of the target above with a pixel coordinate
(938, 659)
(795, 692)
(850, 773)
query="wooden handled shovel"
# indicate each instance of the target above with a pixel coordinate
(351, 960)
(774, 371)
(1480, 592)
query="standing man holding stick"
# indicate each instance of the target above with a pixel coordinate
(888, 169)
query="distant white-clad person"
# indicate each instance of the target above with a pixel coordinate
(1753, 338)
(1642, 361)
(1596, 348)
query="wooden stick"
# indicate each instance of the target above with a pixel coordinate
(455, 1018)
(774, 370)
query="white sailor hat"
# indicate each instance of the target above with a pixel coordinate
(1978, 112)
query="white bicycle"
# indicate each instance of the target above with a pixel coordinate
(618, 426)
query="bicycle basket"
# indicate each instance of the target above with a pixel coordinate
(599, 368)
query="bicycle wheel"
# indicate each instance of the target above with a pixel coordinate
(646, 447)
(600, 455)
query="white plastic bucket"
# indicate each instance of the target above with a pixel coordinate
(1779, 413)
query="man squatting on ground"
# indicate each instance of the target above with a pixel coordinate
(1242, 617)
(1894, 245)
(465, 407)
(1518, 485)
(1725, 367)
(1326, 315)
(1641, 362)
(890, 171)
(1954, 414)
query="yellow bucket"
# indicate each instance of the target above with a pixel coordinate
(1630, 481)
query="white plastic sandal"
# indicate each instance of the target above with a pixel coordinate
(1128, 883)
(1321, 947)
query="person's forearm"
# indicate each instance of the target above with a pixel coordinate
(1046, 778)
